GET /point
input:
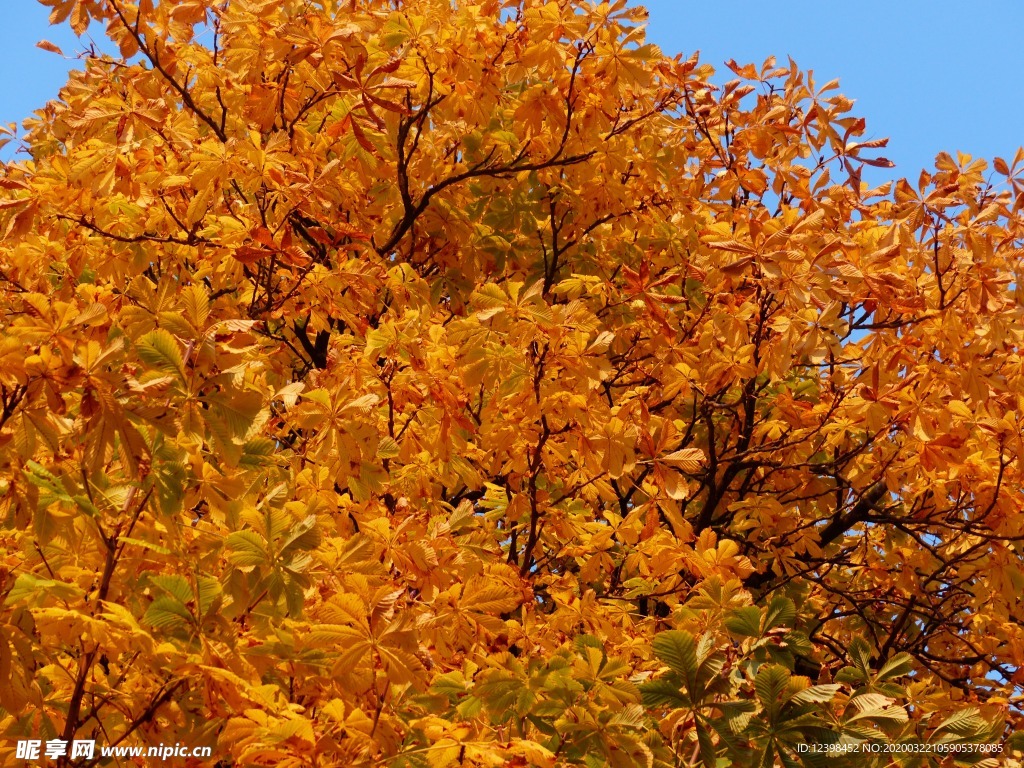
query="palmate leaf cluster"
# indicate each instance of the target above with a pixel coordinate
(435, 383)
(746, 698)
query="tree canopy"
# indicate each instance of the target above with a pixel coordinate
(437, 383)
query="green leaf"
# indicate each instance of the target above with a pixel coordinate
(897, 666)
(875, 706)
(966, 722)
(771, 683)
(737, 714)
(85, 504)
(274, 521)
(257, 453)
(469, 707)
(451, 685)
(498, 692)
(745, 622)
(145, 545)
(302, 536)
(817, 694)
(196, 302)
(387, 448)
(781, 613)
(678, 649)
(630, 716)
(849, 675)
(332, 635)
(209, 589)
(798, 644)
(664, 693)
(768, 756)
(860, 654)
(33, 589)
(159, 349)
(235, 410)
(40, 476)
(176, 586)
(1016, 741)
(707, 746)
(167, 613)
(583, 642)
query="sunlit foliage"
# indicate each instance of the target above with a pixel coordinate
(431, 383)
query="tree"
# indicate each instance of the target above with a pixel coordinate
(426, 383)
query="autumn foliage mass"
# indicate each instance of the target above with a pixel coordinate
(426, 383)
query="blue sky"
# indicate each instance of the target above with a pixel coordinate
(932, 76)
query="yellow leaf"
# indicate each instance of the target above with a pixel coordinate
(686, 459)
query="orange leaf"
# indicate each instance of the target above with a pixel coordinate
(46, 45)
